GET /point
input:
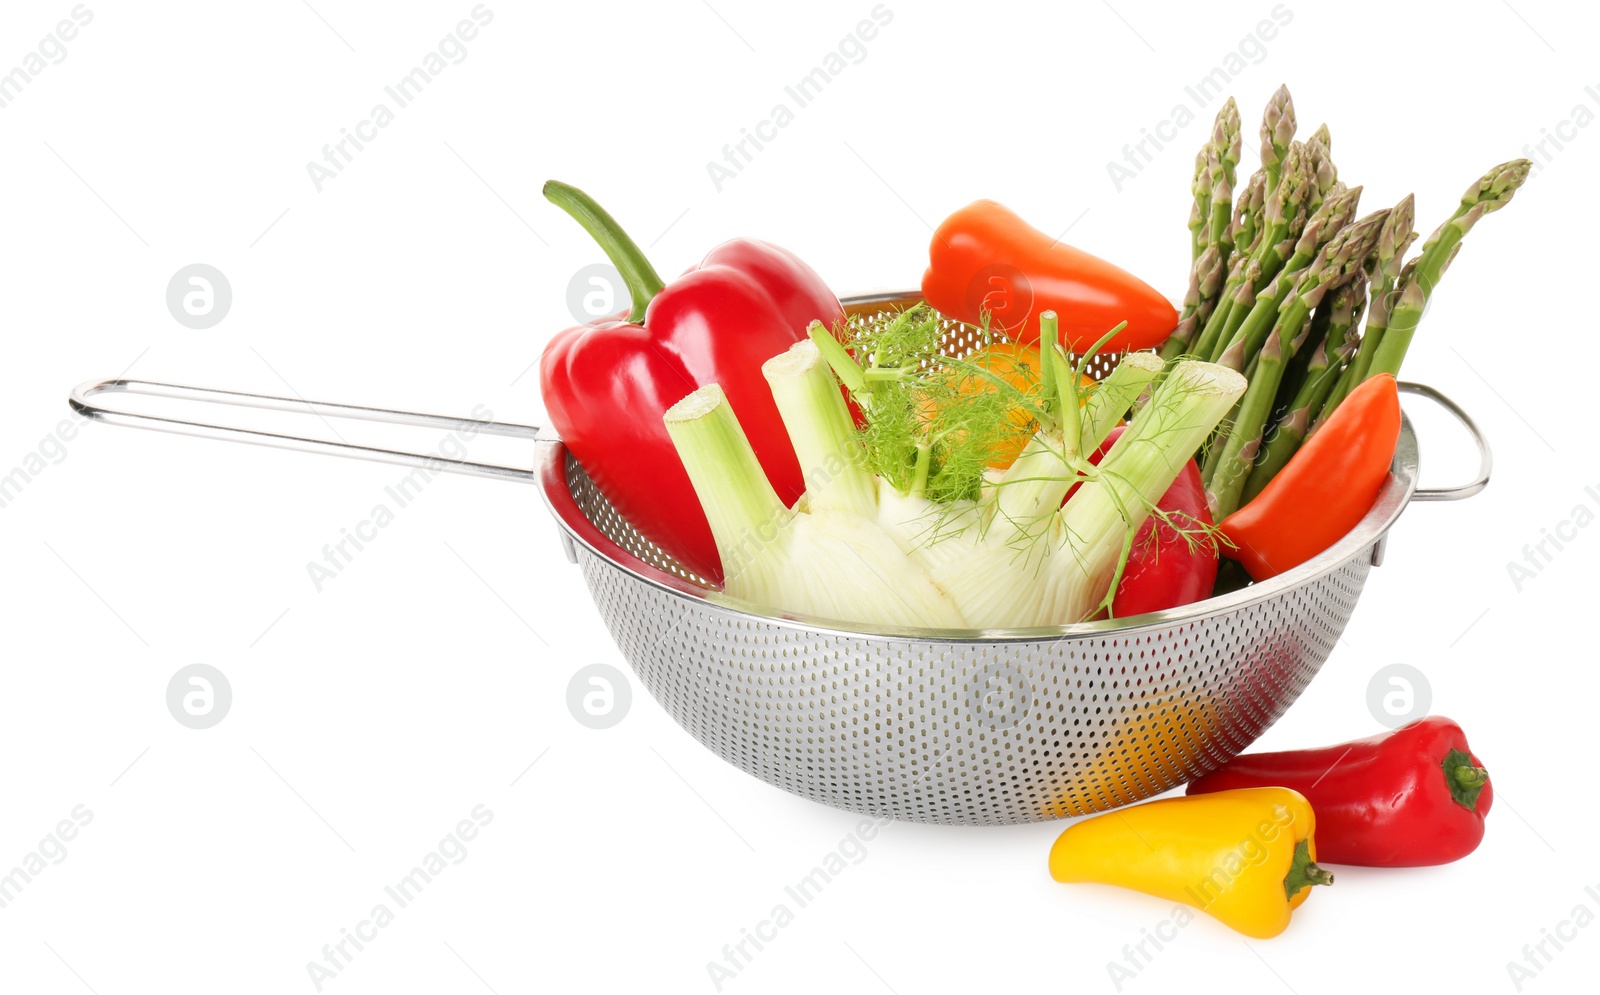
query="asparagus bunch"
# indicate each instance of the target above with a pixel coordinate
(1280, 290)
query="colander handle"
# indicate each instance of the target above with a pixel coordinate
(81, 403)
(1485, 457)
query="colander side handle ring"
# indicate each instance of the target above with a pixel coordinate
(1485, 457)
(80, 401)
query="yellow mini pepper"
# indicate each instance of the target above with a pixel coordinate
(1245, 857)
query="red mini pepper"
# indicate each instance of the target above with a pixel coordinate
(606, 384)
(1327, 487)
(984, 258)
(1412, 797)
(1166, 571)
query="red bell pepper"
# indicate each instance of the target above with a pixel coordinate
(1412, 797)
(1166, 572)
(984, 258)
(607, 384)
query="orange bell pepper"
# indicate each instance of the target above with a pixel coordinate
(986, 258)
(1325, 489)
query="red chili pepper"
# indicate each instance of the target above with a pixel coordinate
(1167, 572)
(984, 258)
(606, 384)
(1412, 797)
(1327, 487)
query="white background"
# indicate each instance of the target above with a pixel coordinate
(369, 718)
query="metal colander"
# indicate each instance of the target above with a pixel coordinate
(976, 727)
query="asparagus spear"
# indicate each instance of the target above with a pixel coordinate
(1213, 169)
(1322, 321)
(1322, 168)
(1243, 240)
(1218, 231)
(1225, 135)
(1226, 146)
(1488, 195)
(1382, 269)
(1324, 136)
(1212, 222)
(1205, 279)
(1247, 208)
(1335, 265)
(1337, 347)
(1200, 211)
(1277, 130)
(1349, 307)
(1400, 305)
(1282, 218)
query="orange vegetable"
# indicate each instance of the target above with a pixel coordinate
(1327, 487)
(986, 258)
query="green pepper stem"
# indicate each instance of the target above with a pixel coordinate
(1303, 871)
(641, 278)
(1465, 779)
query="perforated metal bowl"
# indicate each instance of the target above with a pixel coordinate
(978, 727)
(963, 727)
